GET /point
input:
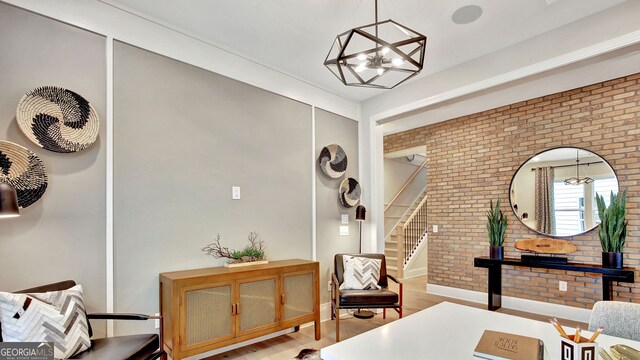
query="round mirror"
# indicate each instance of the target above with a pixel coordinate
(553, 193)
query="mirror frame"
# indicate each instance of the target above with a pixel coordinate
(513, 211)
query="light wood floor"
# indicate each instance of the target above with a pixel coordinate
(415, 299)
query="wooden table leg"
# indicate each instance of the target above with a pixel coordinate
(495, 287)
(317, 328)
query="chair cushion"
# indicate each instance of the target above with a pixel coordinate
(131, 347)
(368, 297)
(55, 316)
(621, 319)
(361, 273)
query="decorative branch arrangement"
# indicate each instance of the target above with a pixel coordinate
(252, 252)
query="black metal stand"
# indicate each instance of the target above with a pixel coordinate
(363, 314)
(494, 267)
(360, 223)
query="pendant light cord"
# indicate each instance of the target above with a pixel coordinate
(376, 14)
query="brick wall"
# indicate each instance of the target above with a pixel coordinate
(472, 159)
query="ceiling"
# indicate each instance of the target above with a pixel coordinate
(561, 154)
(294, 36)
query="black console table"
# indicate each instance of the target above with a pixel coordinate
(495, 275)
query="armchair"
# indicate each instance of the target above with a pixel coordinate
(131, 347)
(363, 299)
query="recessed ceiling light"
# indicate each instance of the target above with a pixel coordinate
(466, 14)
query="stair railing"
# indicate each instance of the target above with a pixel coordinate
(404, 186)
(410, 235)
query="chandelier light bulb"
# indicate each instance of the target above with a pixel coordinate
(362, 57)
(397, 62)
(384, 50)
(361, 67)
(380, 71)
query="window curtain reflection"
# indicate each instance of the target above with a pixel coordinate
(545, 214)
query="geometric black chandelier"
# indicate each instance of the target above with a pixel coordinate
(578, 180)
(381, 55)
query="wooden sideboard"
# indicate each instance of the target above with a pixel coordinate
(206, 309)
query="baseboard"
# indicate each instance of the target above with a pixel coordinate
(240, 344)
(408, 274)
(509, 302)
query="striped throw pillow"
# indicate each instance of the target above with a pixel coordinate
(360, 273)
(56, 316)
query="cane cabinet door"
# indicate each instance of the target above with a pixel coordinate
(207, 315)
(256, 304)
(298, 295)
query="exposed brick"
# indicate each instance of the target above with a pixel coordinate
(472, 159)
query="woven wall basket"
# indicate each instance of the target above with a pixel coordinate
(349, 194)
(57, 119)
(333, 161)
(22, 169)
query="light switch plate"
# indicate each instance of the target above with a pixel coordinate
(344, 231)
(235, 192)
(157, 321)
(435, 228)
(345, 218)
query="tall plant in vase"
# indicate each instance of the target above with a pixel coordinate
(496, 228)
(613, 228)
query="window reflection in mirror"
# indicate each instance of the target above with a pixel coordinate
(553, 196)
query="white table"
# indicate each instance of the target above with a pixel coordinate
(448, 331)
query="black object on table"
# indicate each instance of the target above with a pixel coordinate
(495, 275)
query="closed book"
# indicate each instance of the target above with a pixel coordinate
(504, 346)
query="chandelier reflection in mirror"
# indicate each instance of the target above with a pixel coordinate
(381, 55)
(578, 180)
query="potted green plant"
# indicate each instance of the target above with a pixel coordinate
(496, 227)
(613, 228)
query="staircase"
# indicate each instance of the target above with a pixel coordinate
(405, 223)
(391, 241)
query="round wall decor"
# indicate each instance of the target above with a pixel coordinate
(349, 192)
(333, 161)
(57, 119)
(22, 169)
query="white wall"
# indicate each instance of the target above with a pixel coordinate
(61, 236)
(101, 18)
(397, 172)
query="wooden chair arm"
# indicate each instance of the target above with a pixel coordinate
(335, 286)
(121, 316)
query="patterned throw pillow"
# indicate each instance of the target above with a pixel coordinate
(360, 273)
(57, 316)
